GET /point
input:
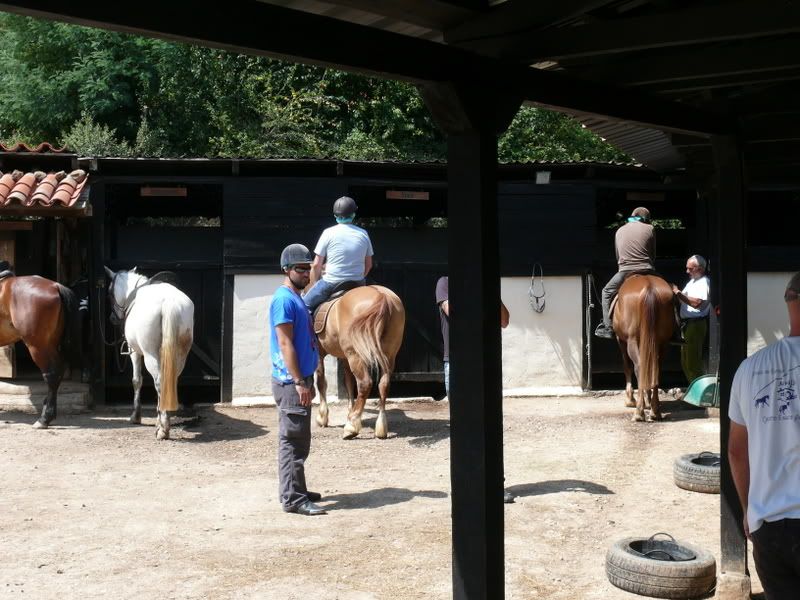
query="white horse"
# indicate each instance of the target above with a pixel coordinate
(158, 321)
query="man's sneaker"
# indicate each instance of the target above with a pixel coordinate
(604, 332)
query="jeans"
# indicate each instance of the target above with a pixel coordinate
(318, 293)
(447, 378)
(776, 550)
(611, 288)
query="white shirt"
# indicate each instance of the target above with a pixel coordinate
(696, 288)
(764, 399)
(345, 248)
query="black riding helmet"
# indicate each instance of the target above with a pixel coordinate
(344, 207)
(295, 254)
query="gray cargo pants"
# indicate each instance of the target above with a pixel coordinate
(294, 443)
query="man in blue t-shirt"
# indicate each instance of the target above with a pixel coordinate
(293, 347)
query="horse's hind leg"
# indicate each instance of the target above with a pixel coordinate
(627, 367)
(136, 362)
(382, 423)
(322, 387)
(162, 417)
(364, 383)
(52, 368)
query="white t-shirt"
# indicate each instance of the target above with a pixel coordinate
(345, 248)
(764, 400)
(696, 288)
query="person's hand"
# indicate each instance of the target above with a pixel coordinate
(675, 289)
(306, 394)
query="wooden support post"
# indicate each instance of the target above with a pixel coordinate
(728, 215)
(472, 121)
(97, 292)
(226, 375)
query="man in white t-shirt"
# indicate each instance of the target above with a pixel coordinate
(694, 309)
(764, 454)
(346, 251)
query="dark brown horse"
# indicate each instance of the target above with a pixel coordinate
(42, 314)
(365, 327)
(643, 321)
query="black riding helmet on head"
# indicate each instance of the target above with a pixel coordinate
(295, 254)
(345, 207)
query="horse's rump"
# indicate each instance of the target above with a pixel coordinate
(366, 329)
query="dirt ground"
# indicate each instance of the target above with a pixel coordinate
(97, 508)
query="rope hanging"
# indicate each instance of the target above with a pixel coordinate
(536, 291)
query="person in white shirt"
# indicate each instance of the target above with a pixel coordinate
(764, 454)
(694, 309)
(344, 249)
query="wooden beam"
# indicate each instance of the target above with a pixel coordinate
(516, 16)
(692, 25)
(433, 14)
(758, 78)
(686, 64)
(268, 30)
(728, 214)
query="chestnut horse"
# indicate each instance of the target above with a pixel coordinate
(643, 321)
(43, 315)
(365, 327)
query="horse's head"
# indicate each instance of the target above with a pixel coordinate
(122, 283)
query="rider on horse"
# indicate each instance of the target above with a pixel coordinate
(346, 251)
(635, 245)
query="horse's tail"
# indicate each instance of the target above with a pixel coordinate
(169, 356)
(70, 344)
(648, 342)
(366, 331)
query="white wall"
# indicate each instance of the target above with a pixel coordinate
(542, 352)
(767, 319)
(252, 295)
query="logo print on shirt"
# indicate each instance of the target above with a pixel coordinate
(786, 394)
(763, 401)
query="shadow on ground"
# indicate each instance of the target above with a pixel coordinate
(555, 486)
(208, 424)
(377, 498)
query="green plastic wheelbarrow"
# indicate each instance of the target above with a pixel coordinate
(703, 391)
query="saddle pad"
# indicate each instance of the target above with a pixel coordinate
(321, 315)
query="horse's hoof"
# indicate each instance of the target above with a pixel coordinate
(162, 435)
(349, 433)
(321, 422)
(656, 418)
(135, 420)
(630, 404)
(39, 425)
(637, 418)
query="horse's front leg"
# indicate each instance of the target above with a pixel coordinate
(136, 362)
(322, 387)
(627, 367)
(364, 384)
(52, 368)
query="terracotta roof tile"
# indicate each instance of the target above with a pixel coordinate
(42, 189)
(43, 148)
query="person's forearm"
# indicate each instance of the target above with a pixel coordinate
(290, 360)
(740, 471)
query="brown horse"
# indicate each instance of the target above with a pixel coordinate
(644, 321)
(365, 327)
(42, 314)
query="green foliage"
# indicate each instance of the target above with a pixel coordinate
(106, 93)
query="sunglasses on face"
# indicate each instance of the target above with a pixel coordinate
(301, 269)
(791, 295)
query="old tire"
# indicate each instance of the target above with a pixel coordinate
(697, 472)
(632, 572)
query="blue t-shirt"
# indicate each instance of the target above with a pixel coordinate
(288, 307)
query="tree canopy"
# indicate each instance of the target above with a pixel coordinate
(104, 93)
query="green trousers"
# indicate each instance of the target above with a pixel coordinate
(694, 333)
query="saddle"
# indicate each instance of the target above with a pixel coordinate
(321, 313)
(5, 270)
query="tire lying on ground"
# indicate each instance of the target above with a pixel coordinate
(697, 472)
(656, 575)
